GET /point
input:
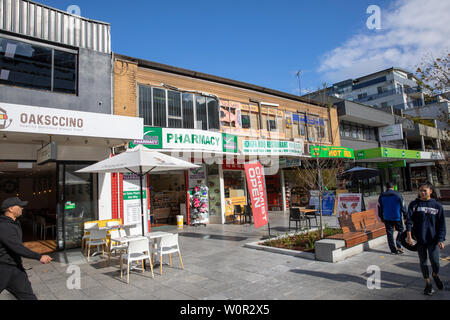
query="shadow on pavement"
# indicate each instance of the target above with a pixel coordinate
(396, 280)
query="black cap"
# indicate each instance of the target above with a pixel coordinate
(12, 202)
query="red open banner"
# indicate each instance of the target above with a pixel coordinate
(257, 189)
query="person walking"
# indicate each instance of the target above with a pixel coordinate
(392, 211)
(426, 223)
(12, 273)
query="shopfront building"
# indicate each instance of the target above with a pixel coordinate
(220, 124)
(41, 151)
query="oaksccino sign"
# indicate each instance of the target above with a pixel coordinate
(37, 120)
(272, 148)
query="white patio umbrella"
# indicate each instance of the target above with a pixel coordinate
(140, 161)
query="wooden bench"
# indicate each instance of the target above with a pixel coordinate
(359, 228)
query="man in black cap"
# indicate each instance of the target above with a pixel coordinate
(12, 273)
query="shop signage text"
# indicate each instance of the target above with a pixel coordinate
(182, 139)
(272, 147)
(388, 153)
(37, 120)
(332, 152)
(391, 133)
(257, 189)
(47, 153)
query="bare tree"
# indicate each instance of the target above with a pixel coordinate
(319, 173)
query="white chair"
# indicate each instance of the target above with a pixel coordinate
(87, 227)
(138, 250)
(96, 238)
(115, 247)
(166, 246)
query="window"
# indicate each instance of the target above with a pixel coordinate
(246, 122)
(213, 114)
(174, 104)
(65, 74)
(362, 96)
(313, 128)
(173, 109)
(32, 66)
(272, 125)
(159, 108)
(360, 133)
(188, 111)
(202, 115)
(145, 104)
(302, 124)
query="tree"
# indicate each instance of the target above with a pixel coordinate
(434, 75)
(320, 173)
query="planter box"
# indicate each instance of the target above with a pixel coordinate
(330, 250)
(293, 253)
(327, 250)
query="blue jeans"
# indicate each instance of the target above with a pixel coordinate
(390, 226)
(429, 251)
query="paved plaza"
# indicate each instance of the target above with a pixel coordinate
(218, 267)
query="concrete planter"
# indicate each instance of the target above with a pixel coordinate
(330, 250)
(293, 253)
(327, 250)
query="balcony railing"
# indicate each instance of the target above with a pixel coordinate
(378, 95)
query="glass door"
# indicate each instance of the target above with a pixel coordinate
(77, 195)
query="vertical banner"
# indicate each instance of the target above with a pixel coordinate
(132, 203)
(257, 189)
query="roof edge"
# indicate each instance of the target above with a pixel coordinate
(204, 76)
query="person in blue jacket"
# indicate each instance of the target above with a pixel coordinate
(426, 222)
(392, 210)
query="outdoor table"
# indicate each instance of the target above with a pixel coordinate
(150, 236)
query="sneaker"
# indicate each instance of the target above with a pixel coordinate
(400, 251)
(429, 291)
(438, 282)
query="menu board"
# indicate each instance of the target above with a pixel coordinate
(132, 203)
(349, 203)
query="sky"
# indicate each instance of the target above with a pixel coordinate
(266, 42)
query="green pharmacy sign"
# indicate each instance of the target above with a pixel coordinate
(190, 140)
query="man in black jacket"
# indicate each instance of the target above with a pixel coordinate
(12, 273)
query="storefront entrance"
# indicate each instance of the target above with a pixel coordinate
(37, 185)
(167, 198)
(78, 194)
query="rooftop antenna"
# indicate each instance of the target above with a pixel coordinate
(299, 81)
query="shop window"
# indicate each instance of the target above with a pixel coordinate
(159, 108)
(188, 111)
(32, 66)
